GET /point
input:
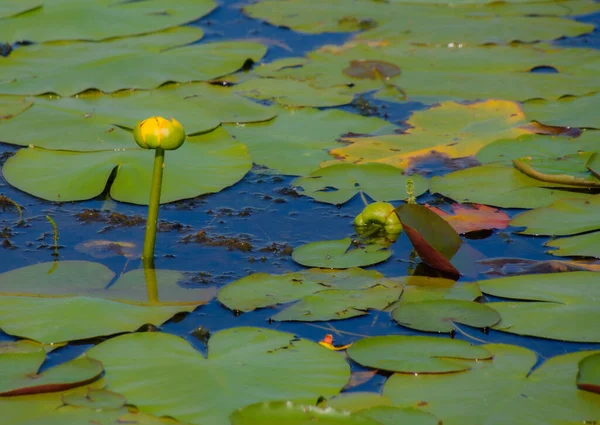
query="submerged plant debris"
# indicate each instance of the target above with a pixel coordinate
(474, 122)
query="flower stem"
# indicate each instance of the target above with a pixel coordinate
(152, 220)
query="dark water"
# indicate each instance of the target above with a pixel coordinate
(258, 210)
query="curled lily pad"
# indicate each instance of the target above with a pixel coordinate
(588, 377)
(205, 164)
(340, 254)
(338, 183)
(20, 373)
(278, 366)
(415, 354)
(570, 170)
(502, 389)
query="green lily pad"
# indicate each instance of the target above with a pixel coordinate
(98, 123)
(72, 318)
(423, 288)
(261, 290)
(276, 365)
(338, 304)
(415, 354)
(19, 372)
(70, 68)
(500, 186)
(418, 23)
(84, 278)
(286, 412)
(570, 170)
(502, 390)
(339, 254)
(10, 106)
(96, 19)
(568, 112)
(338, 183)
(537, 146)
(82, 405)
(296, 142)
(441, 315)
(588, 377)
(293, 93)
(563, 217)
(586, 245)
(557, 305)
(204, 164)
(450, 128)
(10, 8)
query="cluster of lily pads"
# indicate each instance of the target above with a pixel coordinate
(72, 98)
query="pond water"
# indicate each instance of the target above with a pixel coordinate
(253, 225)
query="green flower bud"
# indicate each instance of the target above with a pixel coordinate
(381, 214)
(158, 132)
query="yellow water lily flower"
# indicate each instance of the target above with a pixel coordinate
(158, 132)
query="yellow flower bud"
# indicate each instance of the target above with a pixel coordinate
(158, 132)
(381, 214)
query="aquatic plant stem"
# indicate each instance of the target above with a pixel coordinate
(152, 220)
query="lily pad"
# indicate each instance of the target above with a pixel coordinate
(204, 164)
(338, 183)
(261, 290)
(293, 93)
(20, 373)
(588, 377)
(586, 245)
(275, 364)
(556, 305)
(434, 239)
(338, 304)
(569, 170)
(473, 217)
(563, 217)
(500, 186)
(502, 390)
(537, 146)
(441, 315)
(415, 354)
(569, 112)
(296, 142)
(451, 128)
(47, 20)
(418, 23)
(286, 412)
(98, 122)
(339, 254)
(70, 68)
(10, 106)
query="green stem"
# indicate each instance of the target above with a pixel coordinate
(152, 221)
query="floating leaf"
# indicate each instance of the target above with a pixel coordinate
(338, 183)
(286, 412)
(261, 290)
(569, 170)
(100, 122)
(95, 399)
(518, 266)
(10, 106)
(47, 20)
(99, 248)
(20, 373)
(277, 366)
(204, 164)
(473, 217)
(502, 390)
(372, 70)
(500, 186)
(294, 93)
(441, 315)
(423, 288)
(451, 128)
(415, 354)
(586, 245)
(563, 217)
(339, 254)
(296, 141)
(588, 377)
(537, 146)
(557, 305)
(434, 239)
(568, 112)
